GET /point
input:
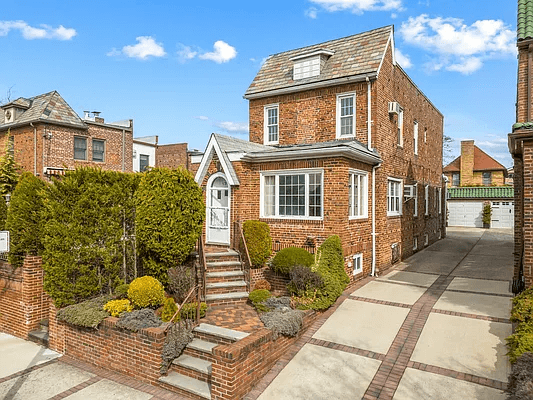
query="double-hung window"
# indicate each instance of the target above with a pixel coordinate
(80, 148)
(294, 194)
(415, 137)
(456, 179)
(272, 124)
(358, 263)
(394, 196)
(358, 194)
(426, 199)
(487, 178)
(144, 162)
(345, 115)
(98, 150)
(400, 128)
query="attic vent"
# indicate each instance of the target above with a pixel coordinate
(309, 64)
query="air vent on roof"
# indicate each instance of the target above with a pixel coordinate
(394, 107)
(9, 115)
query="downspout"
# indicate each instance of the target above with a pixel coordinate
(369, 112)
(373, 273)
(34, 149)
(123, 148)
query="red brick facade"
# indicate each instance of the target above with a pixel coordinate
(172, 155)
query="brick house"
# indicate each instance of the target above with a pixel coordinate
(521, 146)
(49, 137)
(330, 125)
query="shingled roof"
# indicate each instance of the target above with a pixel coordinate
(482, 162)
(525, 20)
(49, 107)
(353, 56)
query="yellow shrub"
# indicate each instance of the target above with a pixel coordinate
(146, 292)
(169, 309)
(117, 307)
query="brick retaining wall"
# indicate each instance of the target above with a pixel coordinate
(277, 281)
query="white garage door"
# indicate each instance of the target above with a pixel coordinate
(465, 213)
(502, 214)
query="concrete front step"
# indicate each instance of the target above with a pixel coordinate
(187, 385)
(224, 276)
(226, 298)
(39, 336)
(193, 364)
(218, 332)
(221, 266)
(225, 287)
(200, 349)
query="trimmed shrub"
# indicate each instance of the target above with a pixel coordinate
(180, 281)
(188, 310)
(138, 319)
(3, 214)
(286, 323)
(117, 307)
(258, 241)
(178, 336)
(522, 310)
(262, 284)
(520, 385)
(88, 314)
(9, 169)
(146, 292)
(286, 259)
(169, 309)
(304, 281)
(257, 297)
(520, 342)
(169, 217)
(86, 215)
(24, 219)
(121, 291)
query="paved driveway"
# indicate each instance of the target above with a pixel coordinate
(432, 328)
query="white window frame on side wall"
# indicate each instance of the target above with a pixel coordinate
(426, 199)
(394, 208)
(266, 133)
(357, 261)
(415, 137)
(340, 117)
(440, 200)
(415, 189)
(361, 178)
(276, 193)
(400, 128)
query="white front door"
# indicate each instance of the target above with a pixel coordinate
(502, 214)
(218, 209)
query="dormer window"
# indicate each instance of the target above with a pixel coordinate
(309, 64)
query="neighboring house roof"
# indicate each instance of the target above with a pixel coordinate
(482, 162)
(525, 20)
(230, 149)
(49, 107)
(353, 56)
(487, 192)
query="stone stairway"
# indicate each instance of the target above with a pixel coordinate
(190, 373)
(40, 336)
(225, 281)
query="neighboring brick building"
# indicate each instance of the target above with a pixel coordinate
(49, 137)
(172, 155)
(341, 142)
(474, 167)
(521, 146)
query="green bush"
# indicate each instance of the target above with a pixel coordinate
(522, 310)
(24, 219)
(520, 342)
(9, 169)
(169, 218)
(286, 259)
(3, 213)
(86, 215)
(258, 241)
(146, 292)
(188, 310)
(117, 307)
(169, 309)
(331, 268)
(88, 314)
(121, 291)
(257, 297)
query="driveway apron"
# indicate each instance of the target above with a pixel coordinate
(432, 328)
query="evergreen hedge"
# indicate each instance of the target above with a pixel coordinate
(169, 219)
(88, 225)
(258, 241)
(286, 259)
(24, 219)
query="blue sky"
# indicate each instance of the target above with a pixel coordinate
(180, 70)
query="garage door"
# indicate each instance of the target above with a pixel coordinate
(502, 214)
(465, 213)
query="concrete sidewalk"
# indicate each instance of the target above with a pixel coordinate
(432, 328)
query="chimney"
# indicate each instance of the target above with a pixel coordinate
(467, 162)
(97, 117)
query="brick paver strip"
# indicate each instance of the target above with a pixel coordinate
(347, 349)
(473, 316)
(386, 303)
(76, 388)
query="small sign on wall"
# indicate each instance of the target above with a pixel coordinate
(4, 241)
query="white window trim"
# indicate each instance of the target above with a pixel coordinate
(400, 194)
(415, 137)
(360, 257)
(364, 202)
(415, 212)
(265, 123)
(338, 115)
(277, 173)
(426, 199)
(400, 126)
(440, 200)
(415, 243)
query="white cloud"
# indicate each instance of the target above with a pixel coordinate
(233, 127)
(311, 12)
(403, 59)
(43, 32)
(146, 47)
(202, 118)
(222, 53)
(186, 53)
(359, 6)
(459, 47)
